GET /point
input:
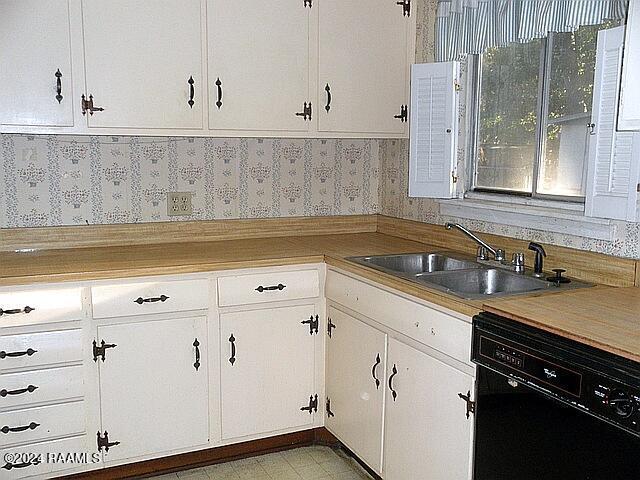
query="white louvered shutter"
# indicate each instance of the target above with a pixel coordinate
(614, 157)
(433, 130)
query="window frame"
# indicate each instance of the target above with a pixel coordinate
(474, 67)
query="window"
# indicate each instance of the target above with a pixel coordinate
(533, 110)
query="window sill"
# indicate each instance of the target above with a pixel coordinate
(551, 216)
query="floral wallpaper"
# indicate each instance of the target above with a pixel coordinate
(66, 180)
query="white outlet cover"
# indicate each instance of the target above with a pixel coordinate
(179, 204)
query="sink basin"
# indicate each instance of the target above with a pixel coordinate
(484, 282)
(416, 263)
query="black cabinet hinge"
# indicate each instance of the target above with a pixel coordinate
(471, 405)
(87, 106)
(406, 7)
(404, 113)
(330, 326)
(328, 408)
(103, 442)
(313, 405)
(306, 112)
(314, 323)
(100, 351)
(308, 3)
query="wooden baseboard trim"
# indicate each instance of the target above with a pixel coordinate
(201, 458)
(53, 238)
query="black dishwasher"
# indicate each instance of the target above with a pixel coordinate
(548, 408)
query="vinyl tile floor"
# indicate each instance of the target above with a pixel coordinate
(306, 463)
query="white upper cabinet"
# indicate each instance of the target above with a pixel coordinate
(629, 116)
(144, 63)
(434, 130)
(365, 47)
(35, 65)
(258, 64)
(614, 157)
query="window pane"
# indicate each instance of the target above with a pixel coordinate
(508, 117)
(573, 58)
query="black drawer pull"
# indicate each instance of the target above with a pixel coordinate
(394, 372)
(373, 371)
(30, 389)
(9, 465)
(161, 298)
(196, 344)
(191, 92)
(32, 426)
(327, 89)
(232, 341)
(279, 287)
(14, 311)
(219, 85)
(59, 96)
(28, 352)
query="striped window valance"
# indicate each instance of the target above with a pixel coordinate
(471, 26)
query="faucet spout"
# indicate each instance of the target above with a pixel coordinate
(473, 237)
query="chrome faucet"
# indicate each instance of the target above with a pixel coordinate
(498, 254)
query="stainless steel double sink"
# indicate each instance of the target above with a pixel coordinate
(456, 274)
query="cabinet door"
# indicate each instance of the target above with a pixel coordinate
(363, 66)
(427, 434)
(139, 59)
(355, 386)
(36, 53)
(267, 359)
(258, 64)
(629, 112)
(153, 398)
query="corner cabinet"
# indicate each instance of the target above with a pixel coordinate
(286, 68)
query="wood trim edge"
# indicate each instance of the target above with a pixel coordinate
(202, 458)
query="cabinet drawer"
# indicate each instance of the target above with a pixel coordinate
(44, 458)
(40, 349)
(445, 333)
(267, 287)
(149, 297)
(42, 423)
(27, 388)
(30, 307)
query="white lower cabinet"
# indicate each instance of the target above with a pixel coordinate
(355, 369)
(267, 359)
(427, 432)
(153, 386)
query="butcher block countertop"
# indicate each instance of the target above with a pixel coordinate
(607, 318)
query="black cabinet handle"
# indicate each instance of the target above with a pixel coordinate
(279, 287)
(219, 85)
(373, 371)
(58, 86)
(9, 465)
(15, 311)
(161, 298)
(6, 429)
(328, 105)
(394, 372)
(196, 344)
(192, 92)
(232, 340)
(30, 389)
(28, 352)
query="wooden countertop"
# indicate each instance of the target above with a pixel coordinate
(607, 318)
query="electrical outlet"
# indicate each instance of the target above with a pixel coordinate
(179, 203)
